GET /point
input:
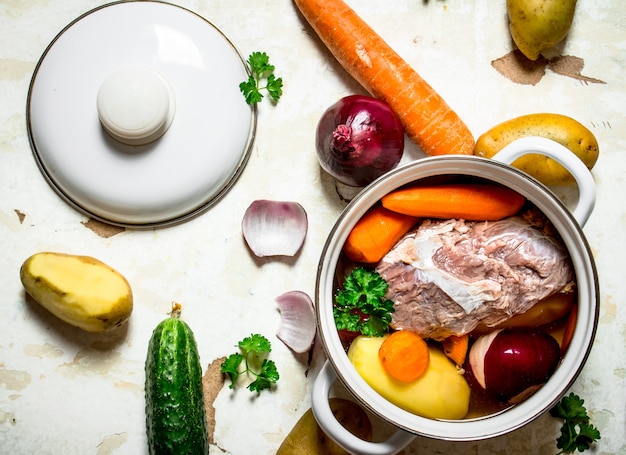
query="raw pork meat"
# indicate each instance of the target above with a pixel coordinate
(446, 277)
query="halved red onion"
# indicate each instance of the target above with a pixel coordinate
(297, 326)
(508, 361)
(274, 228)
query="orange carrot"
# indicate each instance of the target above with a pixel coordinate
(469, 201)
(375, 233)
(426, 117)
(569, 328)
(455, 348)
(404, 355)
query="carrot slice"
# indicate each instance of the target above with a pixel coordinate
(455, 348)
(376, 233)
(426, 117)
(404, 355)
(469, 201)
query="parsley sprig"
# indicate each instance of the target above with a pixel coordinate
(577, 432)
(261, 71)
(254, 350)
(361, 305)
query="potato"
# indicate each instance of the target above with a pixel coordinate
(80, 290)
(441, 393)
(538, 25)
(560, 128)
(544, 312)
(307, 438)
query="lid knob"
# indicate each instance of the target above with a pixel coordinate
(135, 105)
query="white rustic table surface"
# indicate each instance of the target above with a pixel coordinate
(65, 391)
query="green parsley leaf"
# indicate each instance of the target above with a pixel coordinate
(255, 343)
(274, 87)
(269, 375)
(576, 433)
(230, 366)
(361, 305)
(254, 350)
(260, 63)
(346, 320)
(261, 71)
(250, 90)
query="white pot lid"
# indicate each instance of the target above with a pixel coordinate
(135, 116)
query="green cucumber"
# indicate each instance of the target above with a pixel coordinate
(175, 413)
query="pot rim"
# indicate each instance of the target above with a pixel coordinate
(588, 299)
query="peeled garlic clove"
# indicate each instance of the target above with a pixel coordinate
(274, 228)
(297, 326)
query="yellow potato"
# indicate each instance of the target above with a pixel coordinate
(538, 25)
(542, 313)
(79, 290)
(441, 393)
(307, 438)
(560, 128)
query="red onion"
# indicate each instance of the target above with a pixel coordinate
(508, 361)
(359, 138)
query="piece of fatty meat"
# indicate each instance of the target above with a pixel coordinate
(446, 277)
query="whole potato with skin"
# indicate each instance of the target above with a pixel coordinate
(307, 437)
(538, 25)
(559, 128)
(80, 290)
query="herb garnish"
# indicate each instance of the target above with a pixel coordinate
(361, 305)
(254, 351)
(261, 70)
(577, 433)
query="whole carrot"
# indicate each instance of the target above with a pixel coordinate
(469, 201)
(426, 117)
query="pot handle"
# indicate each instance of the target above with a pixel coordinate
(334, 429)
(582, 175)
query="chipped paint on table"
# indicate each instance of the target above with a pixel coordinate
(66, 391)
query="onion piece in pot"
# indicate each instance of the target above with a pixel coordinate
(506, 362)
(274, 228)
(298, 326)
(358, 139)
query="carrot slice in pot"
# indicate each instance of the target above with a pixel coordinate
(376, 233)
(455, 348)
(404, 355)
(468, 201)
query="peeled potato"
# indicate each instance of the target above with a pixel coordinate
(544, 312)
(79, 290)
(307, 438)
(560, 128)
(440, 393)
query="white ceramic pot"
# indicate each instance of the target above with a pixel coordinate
(568, 225)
